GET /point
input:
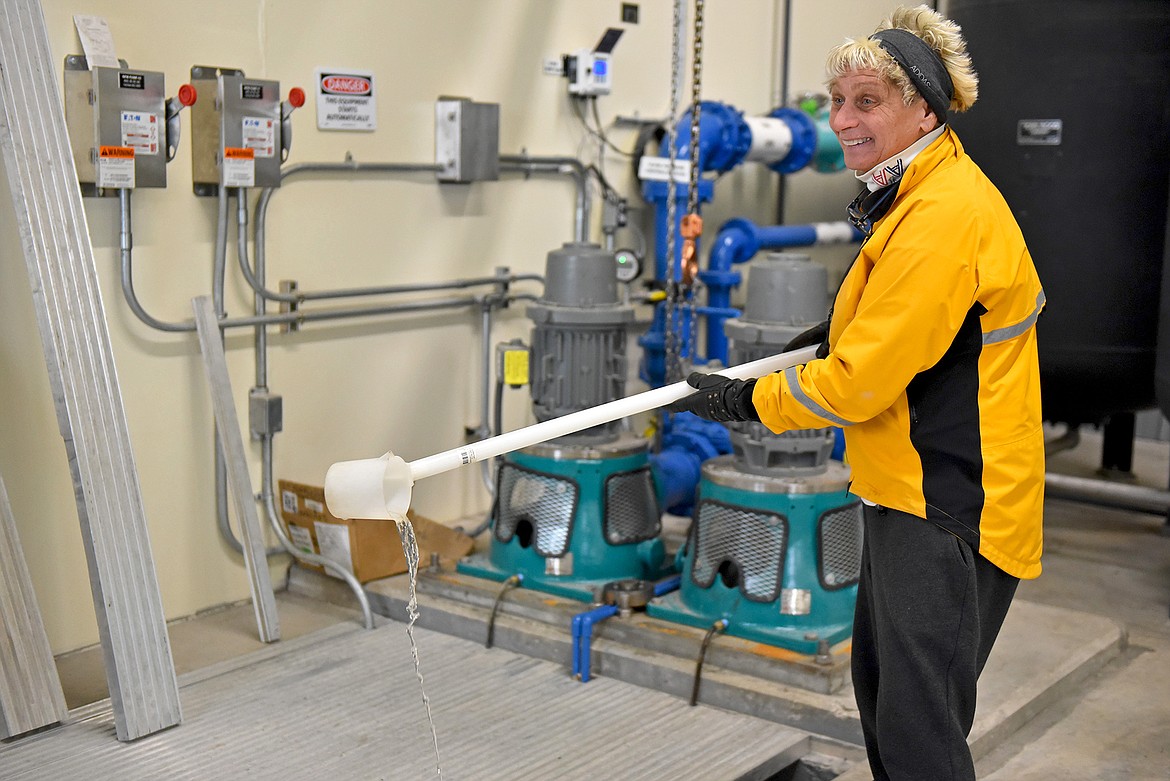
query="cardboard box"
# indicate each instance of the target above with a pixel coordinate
(370, 549)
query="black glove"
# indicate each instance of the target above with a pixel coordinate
(719, 398)
(818, 335)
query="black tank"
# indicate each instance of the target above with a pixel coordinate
(1073, 125)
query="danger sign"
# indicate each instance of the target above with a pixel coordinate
(345, 100)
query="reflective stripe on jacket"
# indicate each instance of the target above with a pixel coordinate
(933, 370)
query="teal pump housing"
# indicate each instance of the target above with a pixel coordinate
(576, 513)
(777, 556)
(572, 519)
(775, 542)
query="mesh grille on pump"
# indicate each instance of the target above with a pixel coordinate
(546, 502)
(755, 541)
(839, 534)
(631, 507)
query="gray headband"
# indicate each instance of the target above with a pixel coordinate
(922, 64)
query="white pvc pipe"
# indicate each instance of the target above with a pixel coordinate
(771, 139)
(380, 487)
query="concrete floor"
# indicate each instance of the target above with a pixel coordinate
(1114, 564)
(202, 640)
(1107, 562)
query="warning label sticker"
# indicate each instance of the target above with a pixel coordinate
(239, 167)
(260, 134)
(115, 167)
(140, 131)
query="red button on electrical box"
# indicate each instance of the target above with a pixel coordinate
(296, 97)
(187, 95)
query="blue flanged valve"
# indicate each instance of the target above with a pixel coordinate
(724, 137)
(804, 140)
(785, 140)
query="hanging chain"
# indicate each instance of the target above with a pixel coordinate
(695, 226)
(673, 371)
(696, 110)
(683, 283)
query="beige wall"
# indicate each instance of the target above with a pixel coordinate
(355, 388)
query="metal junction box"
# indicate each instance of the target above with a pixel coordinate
(467, 140)
(117, 126)
(235, 139)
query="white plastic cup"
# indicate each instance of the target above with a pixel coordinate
(377, 488)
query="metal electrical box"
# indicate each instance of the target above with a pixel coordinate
(236, 138)
(467, 140)
(117, 126)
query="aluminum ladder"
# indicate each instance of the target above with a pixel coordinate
(144, 692)
(30, 690)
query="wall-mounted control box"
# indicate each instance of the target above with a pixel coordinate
(235, 138)
(589, 73)
(467, 140)
(116, 119)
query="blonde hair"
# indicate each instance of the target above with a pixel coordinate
(941, 34)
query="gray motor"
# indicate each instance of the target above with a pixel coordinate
(787, 294)
(579, 338)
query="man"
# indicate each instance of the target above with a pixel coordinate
(931, 370)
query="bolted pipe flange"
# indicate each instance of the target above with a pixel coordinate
(628, 595)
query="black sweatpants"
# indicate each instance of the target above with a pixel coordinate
(928, 611)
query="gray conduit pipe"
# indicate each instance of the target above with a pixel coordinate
(259, 322)
(1136, 498)
(267, 484)
(127, 250)
(288, 318)
(127, 246)
(268, 490)
(310, 558)
(520, 163)
(218, 277)
(1103, 493)
(219, 266)
(528, 164)
(485, 429)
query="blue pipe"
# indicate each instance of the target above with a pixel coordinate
(725, 140)
(582, 627)
(656, 193)
(582, 637)
(687, 441)
(738, 241)
(652, 367)
(668, 585)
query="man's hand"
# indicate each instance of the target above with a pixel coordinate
(719, 398)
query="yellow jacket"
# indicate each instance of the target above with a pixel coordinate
(933, 370)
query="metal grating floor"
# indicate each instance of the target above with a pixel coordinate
(345, 704)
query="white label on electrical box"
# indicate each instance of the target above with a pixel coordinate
(553, 66)
(301, 538)
(345, 99)
(140, 131)
(657, 169)
(239, 167)
(115, 167)
(259, 133)
(333, 540)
